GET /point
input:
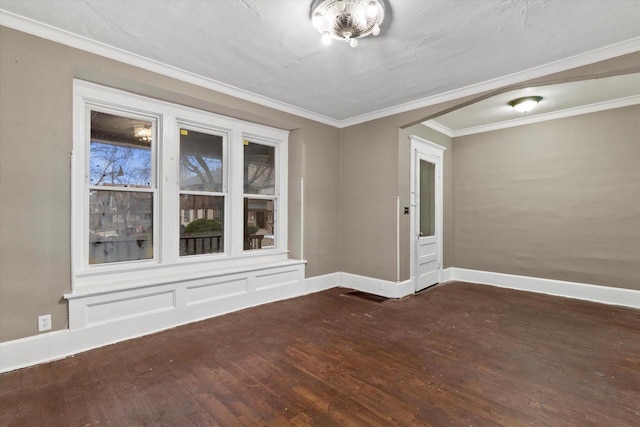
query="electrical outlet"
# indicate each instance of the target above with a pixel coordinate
(44, 322)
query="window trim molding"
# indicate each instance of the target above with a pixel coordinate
(227, 139)
(170, 116)
(276, 196)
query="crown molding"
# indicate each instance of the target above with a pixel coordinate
(49, 32)
(438, 127)
(40, 29)
(560, 114)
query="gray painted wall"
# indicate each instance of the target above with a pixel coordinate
(313, 155)
(558, 199)
(368, 188)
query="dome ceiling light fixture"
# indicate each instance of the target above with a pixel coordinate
(348, 20)
(526, 104)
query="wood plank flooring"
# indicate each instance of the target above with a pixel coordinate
(455, 355)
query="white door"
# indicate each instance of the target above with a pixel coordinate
(427, 253)
(427, 218)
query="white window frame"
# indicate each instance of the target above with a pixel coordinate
(154, 184)
(166, 263)
(199, 126)
(257, 139)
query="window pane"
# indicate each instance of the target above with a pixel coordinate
(200, 161)
(259, 169)
(259, 229)
(120, 151)
(120, 226)
(427, 198)
(201, 224)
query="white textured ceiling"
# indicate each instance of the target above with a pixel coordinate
(269, 47)
(557, 100)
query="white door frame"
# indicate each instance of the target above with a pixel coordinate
(422, 148)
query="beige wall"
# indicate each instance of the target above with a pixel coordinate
(368, 188)
(558, 199)
(35, 143)
(313, 155)
(35, 146)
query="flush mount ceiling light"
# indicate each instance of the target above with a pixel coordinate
(526, 104)
(348, 20)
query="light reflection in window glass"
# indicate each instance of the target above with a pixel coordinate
(120, 151)
(259, 169)
(200, 161)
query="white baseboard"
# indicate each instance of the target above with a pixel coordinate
(583, 291)
(385, 288)
(447, 274)
(109, 318)
(322, 283)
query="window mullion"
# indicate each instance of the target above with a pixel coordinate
(169, 190)
(235, 199)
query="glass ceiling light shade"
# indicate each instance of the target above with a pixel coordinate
(347, 20)
(526, 104)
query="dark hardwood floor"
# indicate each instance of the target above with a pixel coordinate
(455, 355)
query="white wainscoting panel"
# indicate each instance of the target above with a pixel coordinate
(124, 308)
(202, 293)
(276, 279)
(105, 317)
